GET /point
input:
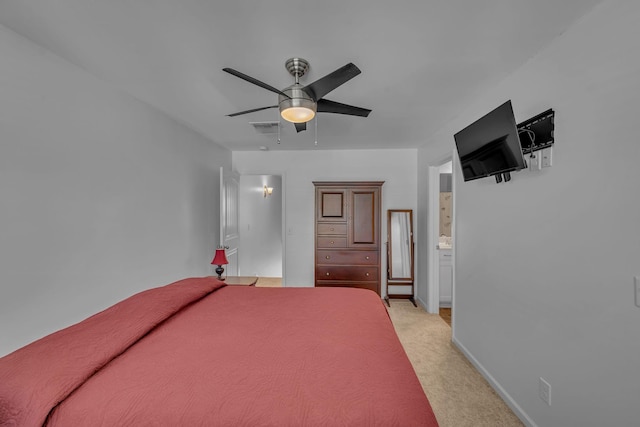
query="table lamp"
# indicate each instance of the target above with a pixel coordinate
(220, 259)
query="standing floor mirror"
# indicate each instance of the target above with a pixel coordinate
(400, 255)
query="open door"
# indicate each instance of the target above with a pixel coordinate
(229, 232)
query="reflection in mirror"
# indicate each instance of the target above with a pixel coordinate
(400, 234)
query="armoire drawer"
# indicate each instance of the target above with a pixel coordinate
(363, 285)
(347, 257)
(331, 242)
(347, 273)
(332, 229)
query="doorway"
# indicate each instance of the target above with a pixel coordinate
(445, 247)
(440, 237)
(260, 224)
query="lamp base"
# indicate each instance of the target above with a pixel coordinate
(219, 271)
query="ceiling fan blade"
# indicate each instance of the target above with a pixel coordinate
(326, 84)
(254, 81)
(326, 106)
(251, 111)
(300, 126)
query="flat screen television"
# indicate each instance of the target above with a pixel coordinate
(490, 145)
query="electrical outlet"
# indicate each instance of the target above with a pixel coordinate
(544, 390)
(636, 284)
(534, 161)
(546, 157)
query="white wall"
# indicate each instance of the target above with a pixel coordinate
(545, 263)
(447, 168)
(101, 195)
(260, 226)
(398, 168)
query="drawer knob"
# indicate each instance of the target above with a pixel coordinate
(366, 257)
(331, 229)
(366, 274)
(327, 273)
(331, 242)
(327, 257)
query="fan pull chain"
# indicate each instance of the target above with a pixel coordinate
(316, 124)
(278, 129)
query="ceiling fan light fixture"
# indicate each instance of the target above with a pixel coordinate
(298, 114)
(297, 110)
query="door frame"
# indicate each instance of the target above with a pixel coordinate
(433, 234)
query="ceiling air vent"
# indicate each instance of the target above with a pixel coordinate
(265, 127)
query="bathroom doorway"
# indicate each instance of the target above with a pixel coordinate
(445, 246)
(441, 240)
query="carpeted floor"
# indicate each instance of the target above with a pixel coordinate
(459, 395)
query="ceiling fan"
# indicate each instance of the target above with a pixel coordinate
(297, 103)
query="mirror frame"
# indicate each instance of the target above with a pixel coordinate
(390, 274)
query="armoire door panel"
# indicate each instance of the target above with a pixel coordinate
(331, 205)
(364, 217)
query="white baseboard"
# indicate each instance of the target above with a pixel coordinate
(421, 303)
(495, 385)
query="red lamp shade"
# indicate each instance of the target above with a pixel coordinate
(220, 258)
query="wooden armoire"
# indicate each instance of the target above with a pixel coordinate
(347, 234)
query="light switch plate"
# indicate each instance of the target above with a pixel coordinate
(546, 157)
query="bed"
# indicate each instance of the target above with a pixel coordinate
(200, 353)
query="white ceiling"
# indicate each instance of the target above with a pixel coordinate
(421, 61)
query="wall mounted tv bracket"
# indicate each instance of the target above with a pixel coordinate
(537, 132)
(504, 175)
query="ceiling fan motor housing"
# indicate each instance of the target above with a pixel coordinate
(299, 107)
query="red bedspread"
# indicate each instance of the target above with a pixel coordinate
(239, 356)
